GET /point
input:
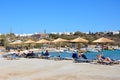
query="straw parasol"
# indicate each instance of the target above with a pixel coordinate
(103, 40)
(43, 41)
(79, 39)
(29, 42)
(59, 40)
(16, 42)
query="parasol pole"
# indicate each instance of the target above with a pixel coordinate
(102, 45)
(102, 50)
(60, 46)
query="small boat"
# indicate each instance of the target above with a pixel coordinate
(59, 51)
(93, 49)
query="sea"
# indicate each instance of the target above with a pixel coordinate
(113, 54)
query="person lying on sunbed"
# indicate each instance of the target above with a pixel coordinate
(82, 55)
(103, 59)
(30, 54)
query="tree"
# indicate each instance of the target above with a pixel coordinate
(78, 33)
(2, 40)
(54, 36)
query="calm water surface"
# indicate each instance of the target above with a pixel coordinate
(114, 54)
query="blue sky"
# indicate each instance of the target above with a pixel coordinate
(30, 16)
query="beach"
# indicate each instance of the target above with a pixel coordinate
(42, 69)
(60, 40)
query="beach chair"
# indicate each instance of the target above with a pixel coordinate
(102, 61)
(115, 62)
(82, 58)
(45, 57)
(56, 58)
(79, 60)
(67, 58)
(12, 57)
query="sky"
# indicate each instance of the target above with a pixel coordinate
(31, 16)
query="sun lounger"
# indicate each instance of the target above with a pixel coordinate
(83, 60)
(12, 57)
(56, 58)
(67, 58)
(45, 57)
(107, 62)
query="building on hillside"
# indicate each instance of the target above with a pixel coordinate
(116, 32)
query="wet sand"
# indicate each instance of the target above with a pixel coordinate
(41, 69)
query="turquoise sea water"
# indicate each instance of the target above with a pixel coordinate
(113, 54)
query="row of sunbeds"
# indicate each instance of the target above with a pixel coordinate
(77, 60)
(96, 61)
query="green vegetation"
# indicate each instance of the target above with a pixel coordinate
(5, 39)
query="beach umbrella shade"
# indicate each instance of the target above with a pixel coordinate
(103, 40)
(59, 40)
(79, 40)
(16, 42)
(43, 41)
(29, 42)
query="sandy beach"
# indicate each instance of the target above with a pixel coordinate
(41, 69)
(59, 39)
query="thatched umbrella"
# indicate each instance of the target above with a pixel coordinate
(59, 40)
(103, 40)
(79, 40)
(29, 42)
(16, 42)
(42, 41)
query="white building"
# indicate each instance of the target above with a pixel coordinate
(115, 32)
